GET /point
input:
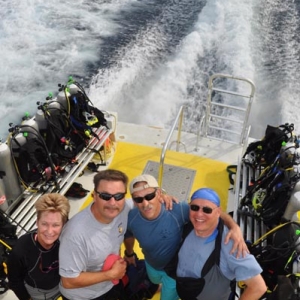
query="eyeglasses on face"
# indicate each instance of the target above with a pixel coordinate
(54, 265)
(206, 209)
(147, 197)
(107, 197)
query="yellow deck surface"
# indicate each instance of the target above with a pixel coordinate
(132, 159)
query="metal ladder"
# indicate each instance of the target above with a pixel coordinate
(211, 124)
(218, 122)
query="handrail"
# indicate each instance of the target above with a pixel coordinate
(201, 123)
(204, 121)
(210, 103)
(167, 142)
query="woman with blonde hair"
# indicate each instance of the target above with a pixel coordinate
(33, 263)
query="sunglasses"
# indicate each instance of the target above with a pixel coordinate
(206, 209)
(106, 196)
(147, 197)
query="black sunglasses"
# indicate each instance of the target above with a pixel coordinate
(206, 209)
(107, 197)
(147, 197)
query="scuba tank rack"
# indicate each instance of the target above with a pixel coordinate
(22, 211)
(251, 227)
(267, 207)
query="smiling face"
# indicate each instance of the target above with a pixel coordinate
(49, 226)
(105, 211)
(204, 224)
(149, 209)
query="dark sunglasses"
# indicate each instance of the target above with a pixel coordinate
(207, 210)
(147, 197)
(107, 197)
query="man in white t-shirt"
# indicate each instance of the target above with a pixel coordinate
(90, 236)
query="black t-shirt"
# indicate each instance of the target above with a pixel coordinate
(30, 262)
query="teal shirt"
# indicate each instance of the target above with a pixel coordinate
(159, 238)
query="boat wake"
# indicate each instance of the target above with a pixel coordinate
(145, 59)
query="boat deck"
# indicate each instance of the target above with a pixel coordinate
(132, 158)
(181, 161)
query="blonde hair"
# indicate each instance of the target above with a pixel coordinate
(55, 203)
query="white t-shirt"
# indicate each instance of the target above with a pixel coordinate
(84, 245)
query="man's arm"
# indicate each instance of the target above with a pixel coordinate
(129, 254)
(255, 288)
(89, 278)
(166, 199)
(129, 244)
(235, 234)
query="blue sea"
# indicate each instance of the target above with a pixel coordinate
(145, 58)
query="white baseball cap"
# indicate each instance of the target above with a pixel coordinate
(149, 179)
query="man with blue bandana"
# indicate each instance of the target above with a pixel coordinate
(158, 231)
(205, 265)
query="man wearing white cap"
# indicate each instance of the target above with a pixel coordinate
(205, 265)
(158, 231)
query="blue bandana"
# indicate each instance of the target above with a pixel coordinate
(207, 194)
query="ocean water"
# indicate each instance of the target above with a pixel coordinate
(144, 59)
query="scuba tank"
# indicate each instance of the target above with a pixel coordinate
(72, 86)
(73, 89)
(62, 100)
(17, 141)
(40, 119)
(30, 126)
(293, 206)
(296, 218)
(54, 106)
(296, 187)
(10, 180)
(51, 104)
(289, 147)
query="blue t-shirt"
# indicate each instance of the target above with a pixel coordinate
(195, 251)
(159, 238)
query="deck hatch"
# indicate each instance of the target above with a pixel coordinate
(177, 181)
